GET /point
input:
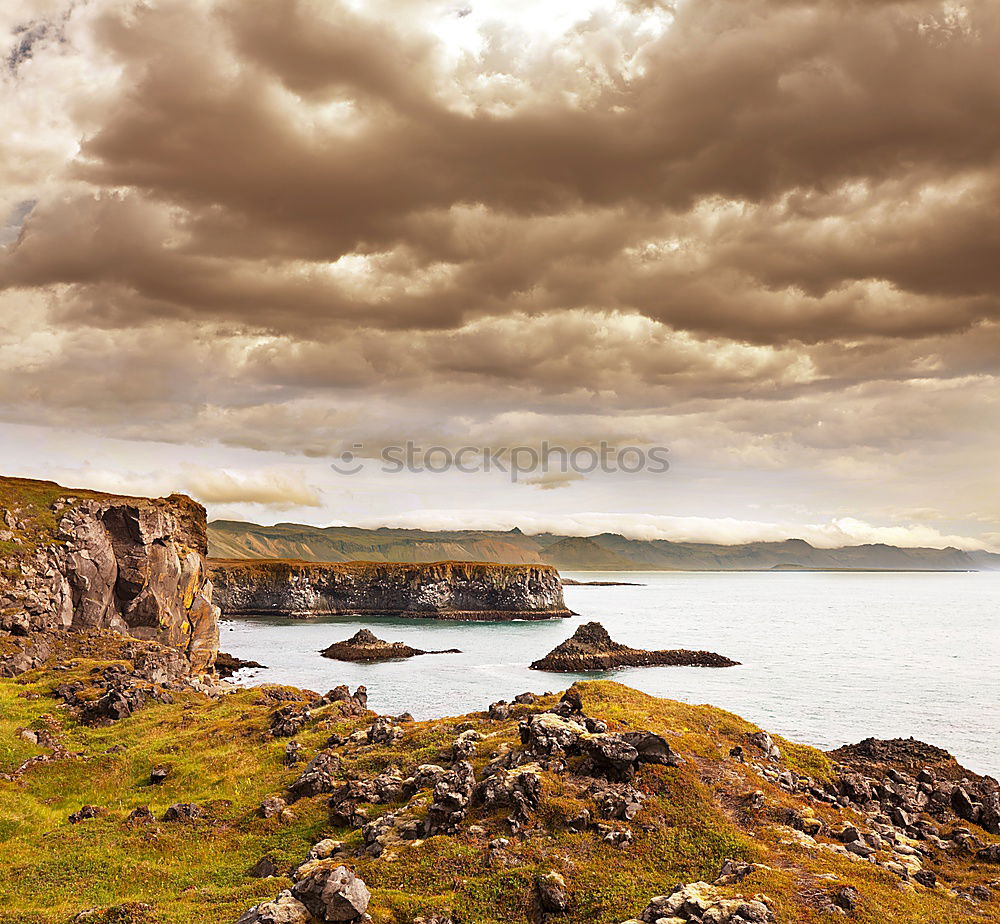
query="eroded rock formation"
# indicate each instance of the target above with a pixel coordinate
(590, 648)
(82, 560)
(443, 590)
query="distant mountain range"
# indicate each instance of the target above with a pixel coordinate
(604, 552)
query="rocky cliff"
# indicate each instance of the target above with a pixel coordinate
(84, 560)
(440, 590)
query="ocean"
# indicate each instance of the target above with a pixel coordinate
(827, 658)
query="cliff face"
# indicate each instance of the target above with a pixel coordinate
(441, 590)
(137, 566)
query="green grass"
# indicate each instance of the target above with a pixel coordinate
(220, 759)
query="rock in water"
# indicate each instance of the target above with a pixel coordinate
(226, 664)
(365, 646)
(592, 649)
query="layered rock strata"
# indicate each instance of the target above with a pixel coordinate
(443, 590)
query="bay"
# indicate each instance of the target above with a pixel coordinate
(827, 658)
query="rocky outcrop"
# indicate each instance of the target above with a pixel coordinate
(226, 665)
(901, 778)
(329, 894)
(591, 649)
(365, 646)
(82, 560)
(701, 902)
(443, 590)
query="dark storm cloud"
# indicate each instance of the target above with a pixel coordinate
(275, 204)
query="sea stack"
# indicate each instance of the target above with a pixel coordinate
(591, 649)
(366, 646)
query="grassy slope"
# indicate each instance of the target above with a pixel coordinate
(50, 869)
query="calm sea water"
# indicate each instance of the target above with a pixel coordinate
(827, 658)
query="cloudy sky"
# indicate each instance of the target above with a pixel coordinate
(239, 239)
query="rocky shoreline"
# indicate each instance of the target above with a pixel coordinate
(365, 646)
(591, 648)
(129, 771)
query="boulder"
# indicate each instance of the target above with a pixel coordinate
(552, 893)
(264, 868)
(285, 909)
(85, 814)
(271, 806)
(158, 774)
(764, 741)
(333, 893)
(317, 777)
(183, 811)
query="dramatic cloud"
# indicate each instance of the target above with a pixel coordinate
(762, 232)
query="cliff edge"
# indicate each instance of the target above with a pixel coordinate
(85, 560)
(440, 590)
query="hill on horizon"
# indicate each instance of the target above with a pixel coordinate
(602, 552)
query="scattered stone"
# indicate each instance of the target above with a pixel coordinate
(85, 814)
(926, 878)
(552, 893)
(384, 731)
(285, 909)
(271, 806)
(846, 897)
(698, 901)
(518, 789)
(140, 816)
(333, 894)
(452, 795)
(183, 811)
(288, 721)
(293, 754)
(352, 704)
(763, 741)
(318, 776)
(264, 868)
(158, 774)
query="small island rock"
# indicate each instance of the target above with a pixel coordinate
(591, 649)
(366, 646)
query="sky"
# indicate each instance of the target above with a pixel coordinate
(248, 248)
